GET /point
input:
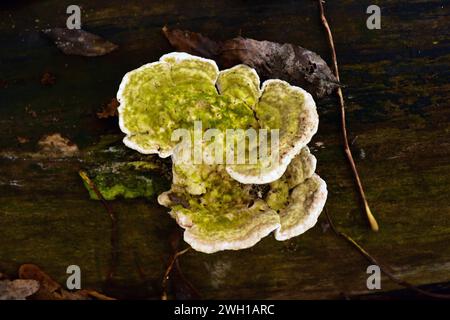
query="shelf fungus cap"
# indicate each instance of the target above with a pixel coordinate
(154, 98)
(298, 196)
(181, 89)
(219, 213)
(306, 202)
(226, 205)
(291, 112)
(226, 216)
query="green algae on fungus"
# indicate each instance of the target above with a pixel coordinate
(291, 110)
(224, 214)
(298, 196)
(161, 97)
(128, 180)
(225, 206)
(171, 94)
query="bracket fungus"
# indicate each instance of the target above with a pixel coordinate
(231, 215)
(225, 205)
(171, 94)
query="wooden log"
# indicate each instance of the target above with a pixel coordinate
(397, 93)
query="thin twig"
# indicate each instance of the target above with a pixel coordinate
(97, 295)
(382, 267)
(172, 261)
(196, 293)
(141, 272)
(372, 221)
(371, 218)
(114, 229)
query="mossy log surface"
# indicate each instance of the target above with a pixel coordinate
(397, 93)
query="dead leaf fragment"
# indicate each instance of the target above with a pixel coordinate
(294, 64)
(48, 79)
(22, 140)
(288, 62)
(192, 42)
(30, 111)
(18, 289)
(49, 289)
(57, 146)
(79, 42)
(110, 110)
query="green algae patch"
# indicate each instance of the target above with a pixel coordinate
(127, 180)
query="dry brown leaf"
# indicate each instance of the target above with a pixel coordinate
(48, 79)
(51, 290)
(295, 64)
(79, 42)
(56, 145)
(22, 140)
(18, 289)
(110, 110)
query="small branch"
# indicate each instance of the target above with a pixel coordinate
(196, 295)
(96, 295)
(372, 221)
(141, 272)
(172, 261)
(383, 268)
(114, 229)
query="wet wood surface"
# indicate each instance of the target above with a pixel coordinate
(397, 92)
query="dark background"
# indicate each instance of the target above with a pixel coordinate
(397, 92)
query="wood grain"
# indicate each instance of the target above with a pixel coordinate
(397, 92)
